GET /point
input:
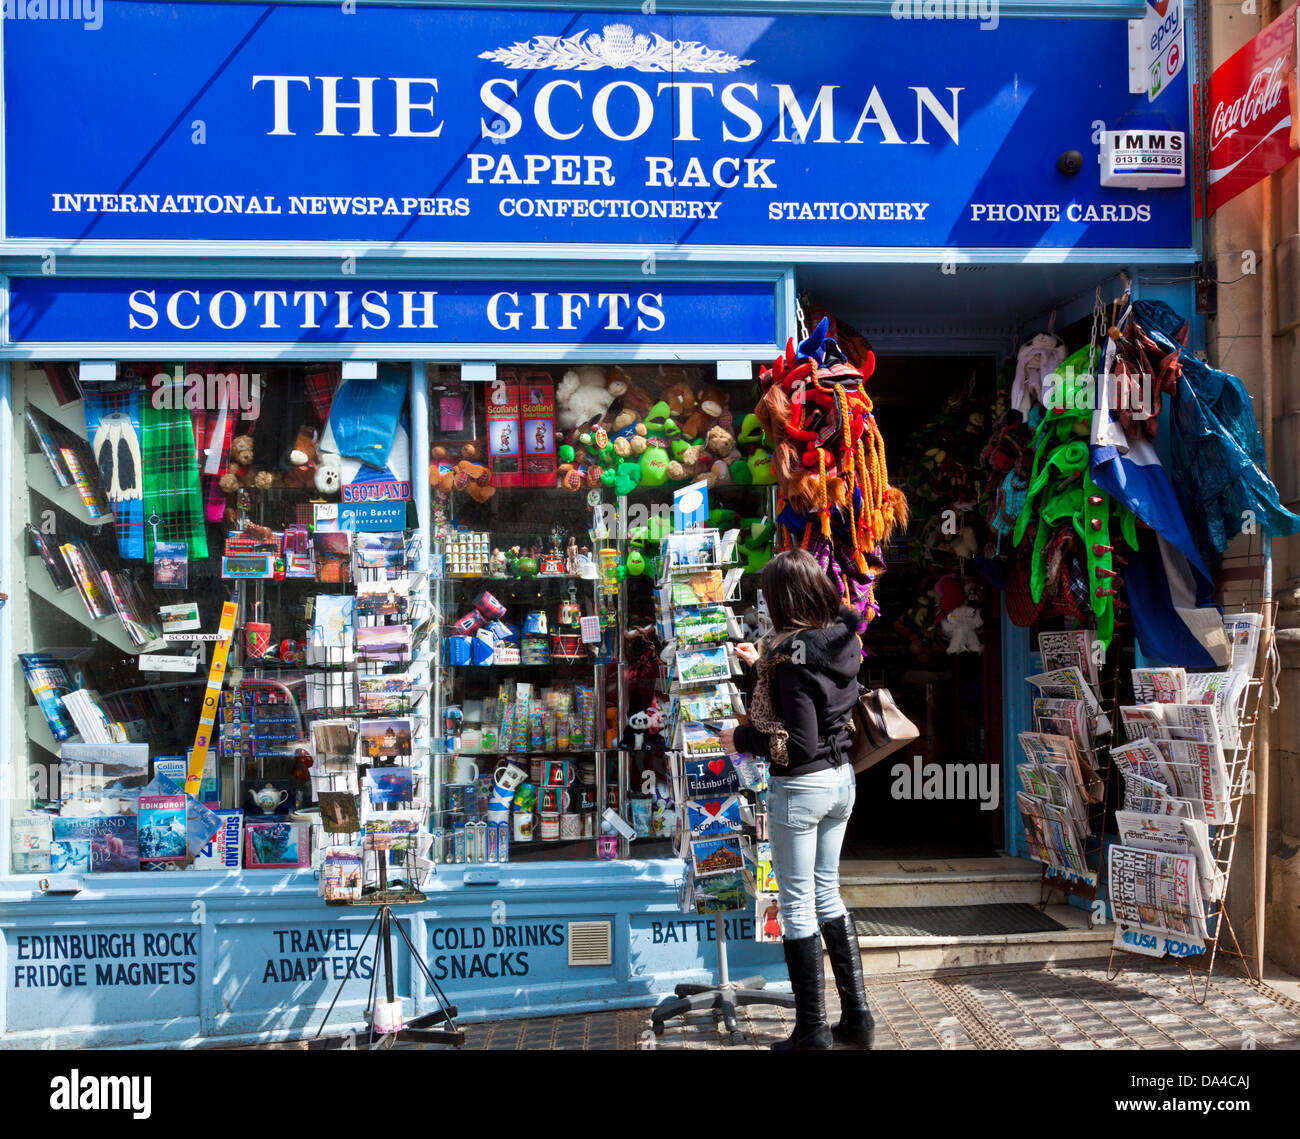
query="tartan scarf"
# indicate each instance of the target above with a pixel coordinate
(214, 433)
(128, 513)
(172, 494)
(321, 386)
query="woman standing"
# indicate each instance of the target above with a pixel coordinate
(806, 684)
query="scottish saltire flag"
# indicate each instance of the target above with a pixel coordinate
(1170, 591)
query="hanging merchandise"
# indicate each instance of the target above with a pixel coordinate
(173, 497)
(1215, 445)
(364, 416)
(1170, 589)
(1062, 497)
(828, 459)
(1036, 360)
(113, 427)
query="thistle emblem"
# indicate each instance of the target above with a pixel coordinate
(616, 46)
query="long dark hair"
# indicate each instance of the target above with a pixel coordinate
(798, 593)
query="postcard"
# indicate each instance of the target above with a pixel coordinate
(392, 830)
(380, 550)
(384, 741)
(70, 856)
(379, 694)
(716, 703)
(703, 588)
(389, 598)
(708, 817)
(767, 918)
(710, 778)
(385, 643)
(721, 893)
(179, 618)
(706, 625)
(389, 786)
(171, 565)
(702, 665)
(716, 855)
(338, 811)
(692, 549)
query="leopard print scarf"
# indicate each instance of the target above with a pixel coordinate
(762, 715)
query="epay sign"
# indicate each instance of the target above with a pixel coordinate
(1157, 48)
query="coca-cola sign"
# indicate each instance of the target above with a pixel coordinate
(1250, 112)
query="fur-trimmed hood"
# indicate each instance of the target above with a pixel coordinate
(834, 650)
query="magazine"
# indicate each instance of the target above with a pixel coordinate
(49, 682)
(29, 852)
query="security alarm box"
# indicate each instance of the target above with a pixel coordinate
(1143, 160)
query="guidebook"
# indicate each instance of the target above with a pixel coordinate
(162, 828)
(112, 840)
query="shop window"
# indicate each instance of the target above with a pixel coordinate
(240, 542)
(553, 490)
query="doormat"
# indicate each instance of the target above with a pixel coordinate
(952, 921)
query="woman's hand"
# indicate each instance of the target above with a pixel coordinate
(728, 739)
(747, 652)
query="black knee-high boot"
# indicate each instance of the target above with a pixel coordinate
(856, 1025)
(803, 957)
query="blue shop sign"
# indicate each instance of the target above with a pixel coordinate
(321, 122)
(345, 309)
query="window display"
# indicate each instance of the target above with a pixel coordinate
(231, 586)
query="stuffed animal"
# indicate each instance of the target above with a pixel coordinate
(240, 472)
(473, 478)
(962, 628)
(328, 477)
(581, 396)
(627, 394)
(680, 400)
(301, 474)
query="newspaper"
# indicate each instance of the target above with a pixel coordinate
(1224, 691)
(1069, 684)
(1070, 648)
(1044, 747)
(1170, 835)
(1151, 890)
(1201, 723)
(1064, 718)
(1049, 835)
(1141, 721)
(1152, 797)
(1160, 685)
(1243, 631)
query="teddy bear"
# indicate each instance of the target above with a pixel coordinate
(328, 477)
(628, 395)
(962, 628)
(240, 472)
(473, 478)
(711, 405)
(680, 400)
(301, 473)
(581, 396)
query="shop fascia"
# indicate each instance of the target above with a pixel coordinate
(562, 108)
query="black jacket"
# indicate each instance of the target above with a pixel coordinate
(814, 699)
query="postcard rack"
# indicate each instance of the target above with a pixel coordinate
(1221, 937)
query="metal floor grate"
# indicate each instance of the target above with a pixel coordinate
(952, 921)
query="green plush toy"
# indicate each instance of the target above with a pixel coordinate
(627, 477)
(659, 526)
(635, 562)
(755, 546)
(720, 518)
(653, 466)
(565, 453)
(760, 468)
(659, 423)
(741, 474)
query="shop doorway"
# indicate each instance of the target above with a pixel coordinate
(934, 413)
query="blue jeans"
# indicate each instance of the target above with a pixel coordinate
(807, 818)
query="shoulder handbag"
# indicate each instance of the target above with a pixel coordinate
(879, 728)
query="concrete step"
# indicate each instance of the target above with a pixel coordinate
(892, 954)
(939, 881)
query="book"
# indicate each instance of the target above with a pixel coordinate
(281, 844)
(113, 841)
(161, 821)
(341, 874)
(49, 448)
(171, 565)
(91, 497)
(55, 565)
(223, 850)
(101, 779)
(69, 856)
(29, 850)
(49, 683)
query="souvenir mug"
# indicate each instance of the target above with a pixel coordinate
(463, 770)
(570, 825)
(459, 650)
(554, 800)
(607, 846)
(557, 772)
(509, 776)
(548, 824)
(489, 606)
(586, 796)
(535, 623)
(522, 825)
(257, 638)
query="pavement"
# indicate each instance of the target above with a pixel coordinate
(1068, 1004)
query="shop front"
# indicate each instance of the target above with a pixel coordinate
(352, 382)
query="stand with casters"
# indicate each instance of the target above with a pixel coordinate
(722, 997)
